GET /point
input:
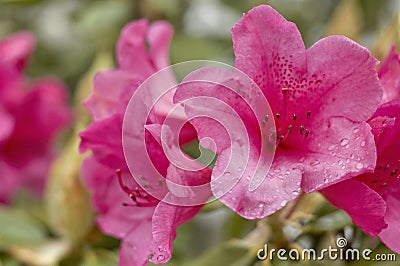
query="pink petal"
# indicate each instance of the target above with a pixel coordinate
(120, 220)
(345, 70)
(338, 150)
(108, 88)
(6, 124)
(107, 148)
(39, 116)
(262, 41)
(132, 53)
(280, 185)
(138, 245)
(390, 235)
(102, 183)
(15, 49)
(364, 205)
(166, 219)
(389, 74)
(159, 37)
(188, 188)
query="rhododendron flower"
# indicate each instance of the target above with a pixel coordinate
(320, 98)
(126, 210)
(372, 199)
(31, 116)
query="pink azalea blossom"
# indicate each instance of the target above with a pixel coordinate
(145, 224)
(320, 99)
(31, 116)
(372, 199)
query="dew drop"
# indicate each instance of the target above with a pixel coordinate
(160, 258)
(343, 167)
(362, 144)
(331, 147)
(283, 203)
(260, 205)
(288, 172)
(295, 193)
(356, 130)
(359, 166)
(314, 162)
(344, 142)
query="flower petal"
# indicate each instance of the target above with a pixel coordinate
(341, 149)
(364, 205)
(263, 40)
(346, 70)
(280, 185)
(15, 49)
(390, 235)
(389, 73)
(166, 219)
(137, 246)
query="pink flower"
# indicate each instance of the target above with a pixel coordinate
(146, 225)
(372, 199)
(320, 98)
(31, 116)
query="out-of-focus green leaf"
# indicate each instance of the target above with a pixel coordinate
(18, 227)
(330, 222)
(100, 21)
(20, 2)
(228, 253)
(100, 257)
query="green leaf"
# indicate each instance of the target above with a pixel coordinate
(228, 253)
(18, 227)
(330, 222)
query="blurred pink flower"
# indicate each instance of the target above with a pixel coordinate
(31, 116)
(146, 225)
(372, 199)
(320, 97)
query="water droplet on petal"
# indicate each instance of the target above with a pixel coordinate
(362, 144)
(314, 162)
(160, 258)
(356, 130)
(295, 193)
(344, 142)
(261, 205)
(331, 147)
(359, 166)
(288, 172)
(283, 203)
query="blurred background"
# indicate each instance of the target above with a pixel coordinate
(76, 38)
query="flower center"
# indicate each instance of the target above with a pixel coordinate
(139, 197)
(294, 126)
